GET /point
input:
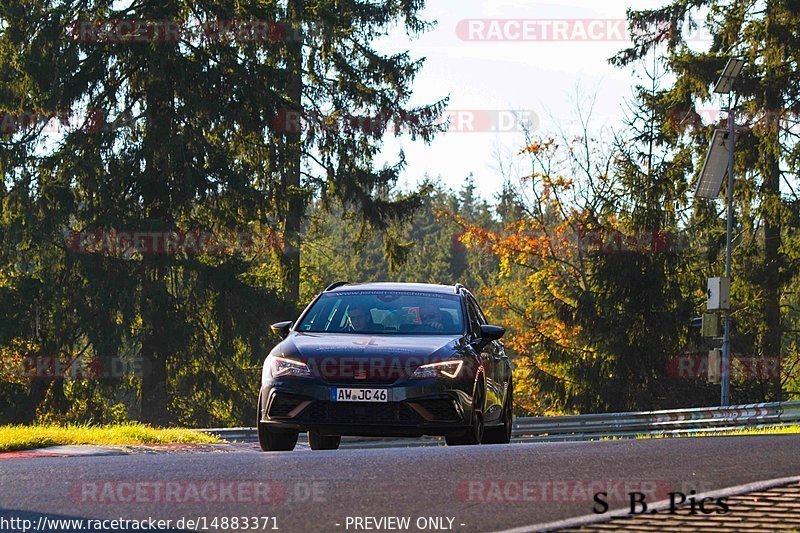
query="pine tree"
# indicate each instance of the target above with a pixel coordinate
(172, 134)
(182, 131)
(766, 35)
(349, 96)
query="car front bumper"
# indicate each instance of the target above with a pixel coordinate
(414, 408)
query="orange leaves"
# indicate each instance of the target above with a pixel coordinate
(545, 261)
(557, 182)
(559, 332)
(543, 148)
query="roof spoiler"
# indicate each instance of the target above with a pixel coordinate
(335, 284)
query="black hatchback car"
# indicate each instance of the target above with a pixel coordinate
(386, 359)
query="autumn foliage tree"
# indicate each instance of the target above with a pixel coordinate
(589, 292)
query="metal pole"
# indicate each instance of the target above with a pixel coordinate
(726, 339)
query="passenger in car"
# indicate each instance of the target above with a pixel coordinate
(431, 316)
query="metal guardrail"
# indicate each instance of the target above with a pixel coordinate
(582, 427)
(650, 421)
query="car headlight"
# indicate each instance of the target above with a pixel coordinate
(265, 373)
(449, 369)
(280, 366)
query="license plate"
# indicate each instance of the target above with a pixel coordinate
(359, 395)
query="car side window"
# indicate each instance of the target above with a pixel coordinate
(474, 322)
(481, 316)
(476, 311)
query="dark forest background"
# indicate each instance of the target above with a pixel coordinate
(594, 253)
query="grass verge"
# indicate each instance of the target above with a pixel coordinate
(767, 430)
(15, 438)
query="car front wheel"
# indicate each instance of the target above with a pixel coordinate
(474, 434)
(274, 440)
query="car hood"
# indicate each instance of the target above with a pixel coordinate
(344, 358)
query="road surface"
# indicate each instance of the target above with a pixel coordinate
(480, 488)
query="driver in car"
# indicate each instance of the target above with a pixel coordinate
(358, 318)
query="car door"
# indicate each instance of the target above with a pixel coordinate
(502, 364)
(474, 328)
(492, 356)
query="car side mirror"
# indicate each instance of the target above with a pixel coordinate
(282, 328)
(492, 333)
(488, 334)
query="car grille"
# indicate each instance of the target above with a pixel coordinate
(440, 410)
(282, 405)
(361, 413)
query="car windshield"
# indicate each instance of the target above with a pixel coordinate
(385, 312)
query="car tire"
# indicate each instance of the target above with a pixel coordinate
(274, 440)
(474, 433)
(323, 442)
(502, 434)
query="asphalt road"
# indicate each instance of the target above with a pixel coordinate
(480, 488)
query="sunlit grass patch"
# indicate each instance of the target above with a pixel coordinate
(767, 430)
(14, 438)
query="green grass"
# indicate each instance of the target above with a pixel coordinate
(15, 438)
(774, 430)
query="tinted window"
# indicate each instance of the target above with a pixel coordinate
(474, 322)
(388, 312)
(477, 310)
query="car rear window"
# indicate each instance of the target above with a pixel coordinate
(385, 312)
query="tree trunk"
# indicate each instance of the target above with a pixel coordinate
(154, 321)
(157, 204)
(770, 208)
(294, 155)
